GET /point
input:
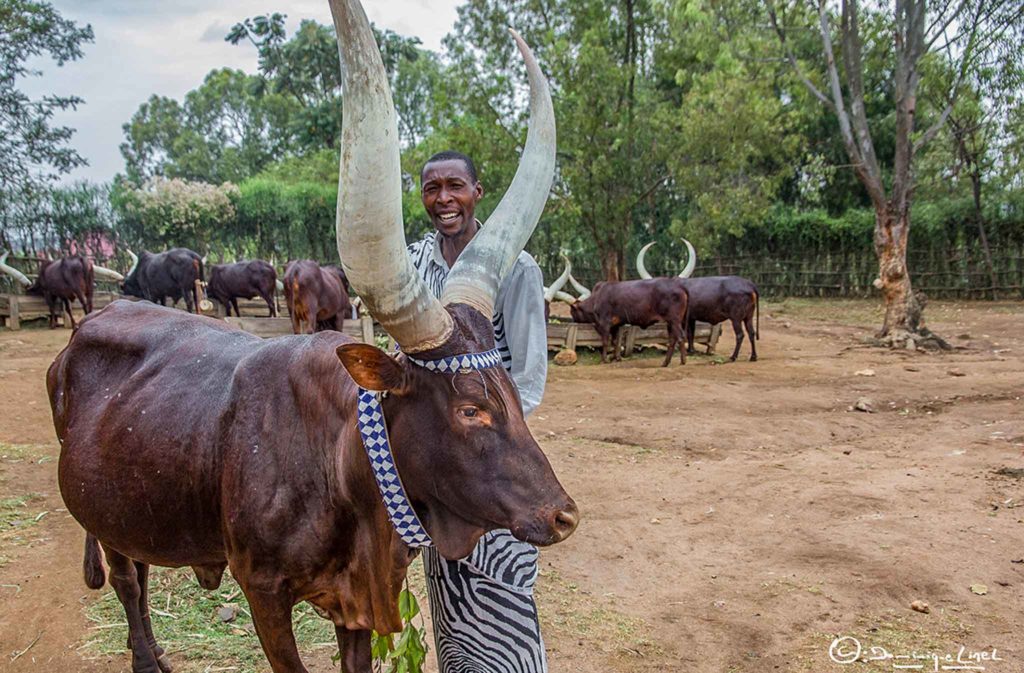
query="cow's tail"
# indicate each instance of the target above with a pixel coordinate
(92, 564)
(757, 308)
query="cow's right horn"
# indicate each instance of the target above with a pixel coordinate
(14, 273)
(371, 237)
(582, 291)
(551, 292)
(477, 274)
(107, 274)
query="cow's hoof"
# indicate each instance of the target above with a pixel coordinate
(164, 663)
(753, 358)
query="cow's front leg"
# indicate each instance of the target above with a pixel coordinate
(354, 647)
(272, 617)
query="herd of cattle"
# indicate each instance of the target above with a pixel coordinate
(317, 296)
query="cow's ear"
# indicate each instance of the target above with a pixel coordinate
(371, 368)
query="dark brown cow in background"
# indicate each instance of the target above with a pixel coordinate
(172, 274)
(715, 299)
(247, 280)
(611, 305)
(61, 282)
(185, 442)
(317, 296)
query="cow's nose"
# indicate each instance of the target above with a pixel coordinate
(564, 522)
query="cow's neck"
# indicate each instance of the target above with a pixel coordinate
(378, 561)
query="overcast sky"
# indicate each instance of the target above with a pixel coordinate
(144, 47)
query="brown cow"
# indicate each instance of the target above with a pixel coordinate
(317, 296)
(714, 299)
(228, 282)
(636, 302)
(185, 442)
(59, 282)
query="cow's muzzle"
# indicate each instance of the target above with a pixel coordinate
(552, 525)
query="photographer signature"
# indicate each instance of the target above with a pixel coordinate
(847, 650)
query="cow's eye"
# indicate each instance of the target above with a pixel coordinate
(468, 412)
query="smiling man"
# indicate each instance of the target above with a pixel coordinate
(485, 618)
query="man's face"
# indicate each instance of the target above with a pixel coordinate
(450, 195)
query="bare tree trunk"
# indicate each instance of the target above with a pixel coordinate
(611, 262)
(979, 219)
(892, 227)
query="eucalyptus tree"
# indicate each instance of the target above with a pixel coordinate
(962, 32)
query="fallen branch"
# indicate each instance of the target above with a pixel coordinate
(17, 655)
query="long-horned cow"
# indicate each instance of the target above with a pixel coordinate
(317, 296)
(185, 442)
(229, 282)
(715, 299)
(61, 282)
(176, 273)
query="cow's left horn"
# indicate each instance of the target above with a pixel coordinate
(107, 274)
(14, 273)
(691, 263)
(641, 270)
(475, 278)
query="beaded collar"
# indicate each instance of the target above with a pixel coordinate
(374, 433)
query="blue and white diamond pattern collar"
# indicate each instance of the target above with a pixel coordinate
(374, 433)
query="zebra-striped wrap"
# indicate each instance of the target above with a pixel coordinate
(374, 432)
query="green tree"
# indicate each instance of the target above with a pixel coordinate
(598, 57)
(33, 152)
(226, 130)
(304, 68)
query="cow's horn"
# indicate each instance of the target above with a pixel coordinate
(371, 238)
(550, 292)
(475, 277)
(691, 263)
(14, 273)
(278, 285)
(566, 297)
(578, 286)
(135, 262)
(640, 268)
(107, 274)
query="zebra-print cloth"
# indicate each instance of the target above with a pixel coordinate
(485, 618)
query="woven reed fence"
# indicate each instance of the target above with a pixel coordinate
(956, 273)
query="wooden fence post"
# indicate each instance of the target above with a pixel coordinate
(570, 337)
(631, 331)
(15, 319)
(367, 324)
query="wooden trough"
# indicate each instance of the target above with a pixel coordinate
(15, 308)
(572, 335)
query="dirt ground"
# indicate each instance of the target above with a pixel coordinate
(735, 517)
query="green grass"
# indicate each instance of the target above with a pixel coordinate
(16, 515)
(565, 608)
(18, 452)
(195, 639)
(187, 627)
